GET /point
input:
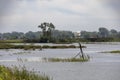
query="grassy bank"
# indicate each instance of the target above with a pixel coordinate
(22, 74)
(33, 47)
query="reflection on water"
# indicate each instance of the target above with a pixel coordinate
(101, 66)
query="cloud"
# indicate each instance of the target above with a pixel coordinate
(67, 14)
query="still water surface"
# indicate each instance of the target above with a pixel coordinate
(102, 66)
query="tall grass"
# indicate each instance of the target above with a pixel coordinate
(66, 59)
(19, 74)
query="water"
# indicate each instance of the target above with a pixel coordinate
(102, 66)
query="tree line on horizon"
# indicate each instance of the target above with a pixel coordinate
(103, 34)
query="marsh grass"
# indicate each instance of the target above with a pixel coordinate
(19, 74)
(65, 59)
(25, 47)
(33, 47)
(116, 51)
(11, 41)
(62, 46)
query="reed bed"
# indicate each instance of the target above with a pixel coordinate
(65, 59)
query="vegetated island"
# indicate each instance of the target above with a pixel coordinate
(66, 59)
(19, 74)
(33, 47)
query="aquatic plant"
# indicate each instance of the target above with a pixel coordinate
(65, 59)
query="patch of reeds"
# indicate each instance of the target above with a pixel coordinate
(19, 74)
(66, 59)
(25, 47)
(115, 51)
(61, 46)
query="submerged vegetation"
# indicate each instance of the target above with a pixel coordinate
(19, 74)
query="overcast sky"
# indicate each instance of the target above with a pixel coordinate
(74, 15)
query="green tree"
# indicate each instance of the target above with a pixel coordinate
(103, 32)
(113, 33)
(47, 29)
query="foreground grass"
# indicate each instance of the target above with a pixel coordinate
(33, 47)
(16, 74)
(66, 59)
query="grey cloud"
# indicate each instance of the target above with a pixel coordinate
(113, 4)
(5, 6)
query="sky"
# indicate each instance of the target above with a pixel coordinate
(73, 15)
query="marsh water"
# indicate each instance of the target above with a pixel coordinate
(102, 66)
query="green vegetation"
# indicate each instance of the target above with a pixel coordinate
(66, 59)
(33, 47)
(50, 35)
(19, 74)
(116, 51)
(47, 29)
(25, 47)
(11, 41)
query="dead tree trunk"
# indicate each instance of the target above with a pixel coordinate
(82, 54)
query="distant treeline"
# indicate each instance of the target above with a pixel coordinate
(57, 36)
(103, 34)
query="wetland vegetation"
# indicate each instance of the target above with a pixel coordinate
(33, 47)
(114, 51)
(66, 59)
(19, 74)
